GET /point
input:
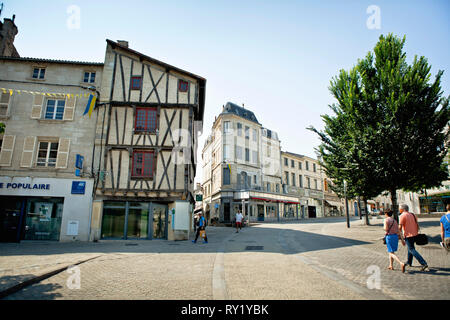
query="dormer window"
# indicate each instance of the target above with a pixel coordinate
(38, 73)
(183, 86)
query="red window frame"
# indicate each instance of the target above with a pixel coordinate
(133, 86)
(148, 164)
(146, 120)
(183, 86)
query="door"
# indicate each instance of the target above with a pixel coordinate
(11, 219)
(159, 218)
(260, 212)
(226, 211)
(137, 220)
(311, 211)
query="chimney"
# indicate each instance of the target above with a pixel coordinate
(123, 43)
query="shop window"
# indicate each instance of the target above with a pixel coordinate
(143, 164)
(47, 154)
(43, 219)
(145, 120)
(55, 109)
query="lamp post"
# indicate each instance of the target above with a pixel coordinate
(346, 204)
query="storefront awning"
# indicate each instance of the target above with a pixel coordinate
(371, 201)
(334, 203)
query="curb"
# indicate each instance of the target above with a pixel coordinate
(39, 278)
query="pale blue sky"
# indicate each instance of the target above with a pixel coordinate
(277, 57)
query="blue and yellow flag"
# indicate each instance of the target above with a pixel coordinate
(90, 105)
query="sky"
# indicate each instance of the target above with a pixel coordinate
(275, 57)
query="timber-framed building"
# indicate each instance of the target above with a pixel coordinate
(146, 139)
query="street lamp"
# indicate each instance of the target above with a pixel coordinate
(346, 204)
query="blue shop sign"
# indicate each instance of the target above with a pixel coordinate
(78, 187)
(79, 161)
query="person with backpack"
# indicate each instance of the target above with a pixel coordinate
(201, 227)
(445, 230)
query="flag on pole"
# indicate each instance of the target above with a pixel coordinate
(90, 105)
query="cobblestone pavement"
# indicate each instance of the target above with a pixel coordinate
(311, 259)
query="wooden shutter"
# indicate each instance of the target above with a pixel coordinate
(5, 102)
(69, 108)
(7, 150)
(63, 153)
(28, 152)
(36, 109)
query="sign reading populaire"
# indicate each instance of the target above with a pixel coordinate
(29, 186)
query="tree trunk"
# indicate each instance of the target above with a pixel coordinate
(367, 212)
(394, 203)
(359, 208)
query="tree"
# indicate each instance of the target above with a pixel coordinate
(2, 127)
(389, 128)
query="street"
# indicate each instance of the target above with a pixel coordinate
(312, 259)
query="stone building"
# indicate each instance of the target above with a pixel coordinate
(43, 195)
(8, 32)
(241, 169)
(146, 139)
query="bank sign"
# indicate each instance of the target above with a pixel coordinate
(28, 186)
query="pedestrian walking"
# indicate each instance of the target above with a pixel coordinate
(239, 218)
(201, 228)
(445, 230)
(410, 228)
(392, 236)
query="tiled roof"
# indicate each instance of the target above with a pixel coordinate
(27, 59)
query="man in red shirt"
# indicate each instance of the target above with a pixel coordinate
(408, 224)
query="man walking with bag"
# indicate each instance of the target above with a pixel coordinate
(201, 228)
(408, 224)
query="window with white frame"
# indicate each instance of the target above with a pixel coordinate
(227, 127)
(47, 153)
(239, 129)
(247, 132)
(226, 152)
(89, 77)
(239, 153)
(254, 157)
(38, 73)
(54, 109)
(255, 135)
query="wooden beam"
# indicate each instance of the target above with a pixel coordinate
(123, 77)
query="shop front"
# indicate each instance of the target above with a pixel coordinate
(44, 209)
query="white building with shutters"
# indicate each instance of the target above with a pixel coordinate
(42, 194)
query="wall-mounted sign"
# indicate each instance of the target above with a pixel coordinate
(30, 186)
(78, 187)
(72, 227)
(79, 161)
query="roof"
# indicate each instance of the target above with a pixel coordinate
(27, 59)
(239, 111)
(293, 154)
(168, 67)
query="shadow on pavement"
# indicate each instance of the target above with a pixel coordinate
(38, 291)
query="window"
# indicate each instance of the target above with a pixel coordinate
(247, 132)
(286, 163)
(4, 103)
(47, 154)
(268, 150)
(145, 120)
(292, 164)
(238, 152)
(183, 86)
(300, 181)
(143, 163)
(55, 109)
(255, 181)
(89, 77)
(226, 127)
(239, 128)
(315, 184)
(226, 175)
(277, 187)
(308, 183)
(136, 83)
(307, 165)
(268, 186)
(293, 179)
(300, 165)
(314, 167)
(247, 154)
(254, 157)
(38, 73)
(286, 177)
(226, 152)
(255, 135)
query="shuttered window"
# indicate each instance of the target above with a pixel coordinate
(47, 154)
(5, 99)
(28, 151)
(143, 164)
(7, 150)
(145, 120)
(55, 109)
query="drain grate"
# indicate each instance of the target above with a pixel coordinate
(131, 244)
(254, 248)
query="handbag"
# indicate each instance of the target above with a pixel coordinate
(420, 239)
(203, 234)
(384, 238)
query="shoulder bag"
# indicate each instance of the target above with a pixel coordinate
(384, 238)
(420, 239)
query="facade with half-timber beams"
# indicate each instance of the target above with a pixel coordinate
(146, 135)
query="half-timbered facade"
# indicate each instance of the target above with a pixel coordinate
(149, 115)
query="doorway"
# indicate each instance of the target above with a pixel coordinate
(311, 212)
(12, 212)
(260, 212)
(159, 218)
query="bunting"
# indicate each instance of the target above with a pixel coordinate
(46, 94)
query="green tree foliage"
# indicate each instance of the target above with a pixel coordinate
(2, 127)
(389, 128)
